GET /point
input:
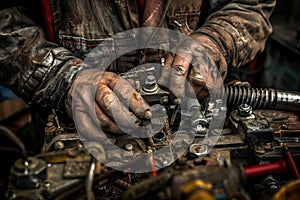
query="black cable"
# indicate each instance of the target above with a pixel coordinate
(12, 136)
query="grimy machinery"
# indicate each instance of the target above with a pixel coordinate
(253, 155)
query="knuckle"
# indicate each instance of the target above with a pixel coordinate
(108, 101)
(180, 69)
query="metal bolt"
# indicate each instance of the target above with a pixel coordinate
(50, 124)
(198, 149)
(59, 145)
(219, 103)
(271, 183)
(150, 84)
(273, 186)
(268, 145)
(151, 79)
(245, 110)
(216, 132)
(200, 121)
(129, 147)
(162, 60)
(284, 127)
(47, 184)
(200, 128)
(164, 100)
(259, 150)
(112, 139)
(221, 159)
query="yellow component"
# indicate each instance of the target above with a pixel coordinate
(149, 150)
(195, 185)
(282, 144)
(63, 158)
(56, 159)
(98, 168)
(290, 191)
(201, 195)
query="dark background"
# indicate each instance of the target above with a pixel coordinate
(279, 65)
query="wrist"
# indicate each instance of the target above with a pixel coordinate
(213, 50)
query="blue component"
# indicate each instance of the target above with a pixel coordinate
(6, 94)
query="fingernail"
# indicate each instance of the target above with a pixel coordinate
(148, 115)
(199, 79)
(180, 69)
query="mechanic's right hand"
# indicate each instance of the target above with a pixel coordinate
(198, 68)
(116, 103)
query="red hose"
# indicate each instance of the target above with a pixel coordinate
(154, 173)
(292, 164)
(47, 12)
(279, 166)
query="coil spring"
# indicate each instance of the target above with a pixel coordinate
(263, 98)
(255, 97)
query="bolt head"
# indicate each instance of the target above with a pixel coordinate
(129, 147)
(245, 110)
(59, 145)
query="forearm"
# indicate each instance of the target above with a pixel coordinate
(35, 69)
(239, 28)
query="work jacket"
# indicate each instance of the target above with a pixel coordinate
(40, 67)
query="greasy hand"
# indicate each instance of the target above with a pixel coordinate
(116, 103)
(198, 64)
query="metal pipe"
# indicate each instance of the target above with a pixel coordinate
(104, 178)
(290, 160)
(90, 180)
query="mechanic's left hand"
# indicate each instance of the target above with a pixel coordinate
(104, 101)
(197, 61)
